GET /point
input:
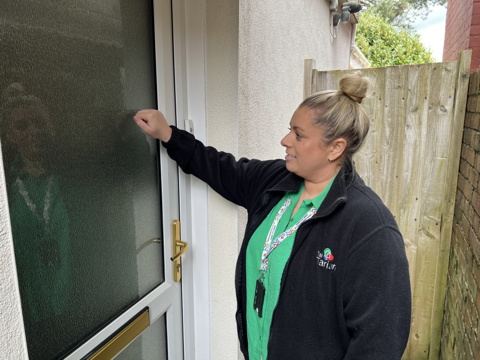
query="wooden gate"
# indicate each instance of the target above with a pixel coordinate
(411, 159)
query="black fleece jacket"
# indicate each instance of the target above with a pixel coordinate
(355, 306)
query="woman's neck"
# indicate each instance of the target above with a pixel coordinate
(33, 168)
(313, 188)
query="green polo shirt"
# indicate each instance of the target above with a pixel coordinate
(42, 252)
(258, 328)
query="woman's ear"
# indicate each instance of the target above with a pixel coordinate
(338, 146)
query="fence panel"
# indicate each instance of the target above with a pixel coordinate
(411, 158)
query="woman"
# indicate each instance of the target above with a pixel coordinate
(40, 224)
(322, 271)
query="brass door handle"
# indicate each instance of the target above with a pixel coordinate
(179, 248)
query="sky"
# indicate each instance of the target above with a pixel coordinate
(432, 30)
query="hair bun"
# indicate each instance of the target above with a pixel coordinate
(355, 86)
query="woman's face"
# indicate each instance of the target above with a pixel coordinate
(29, 131)
(307, 153)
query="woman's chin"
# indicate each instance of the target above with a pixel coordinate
(290, 166)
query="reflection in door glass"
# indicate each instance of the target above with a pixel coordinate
(82, 179)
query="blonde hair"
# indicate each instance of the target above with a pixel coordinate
(340, 114)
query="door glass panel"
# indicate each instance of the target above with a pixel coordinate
(150, 345)
(82, 179)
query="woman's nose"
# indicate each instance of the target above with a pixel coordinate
(284, 141)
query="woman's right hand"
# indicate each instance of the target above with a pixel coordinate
(153, 123)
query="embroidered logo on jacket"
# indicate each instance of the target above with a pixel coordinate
(325, 259)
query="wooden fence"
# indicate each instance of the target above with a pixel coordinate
(411, 159)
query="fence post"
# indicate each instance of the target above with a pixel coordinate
(461, 93)
(308, 78)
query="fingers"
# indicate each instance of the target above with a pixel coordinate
(153, 123)
(142, 124)
(148, 116)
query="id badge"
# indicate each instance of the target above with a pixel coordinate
(259, 297)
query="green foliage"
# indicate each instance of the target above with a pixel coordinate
(401, 12)
(384, 45)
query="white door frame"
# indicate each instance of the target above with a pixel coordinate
(189, 54)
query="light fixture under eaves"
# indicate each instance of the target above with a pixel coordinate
(348, 8)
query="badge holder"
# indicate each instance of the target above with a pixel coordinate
(259, 297)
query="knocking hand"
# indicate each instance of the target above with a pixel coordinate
(153, 123)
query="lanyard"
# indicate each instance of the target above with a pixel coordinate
(45, 217)
(270, 243)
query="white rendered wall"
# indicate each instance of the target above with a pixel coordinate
(275, 39)
(12, 336)
(222, 132)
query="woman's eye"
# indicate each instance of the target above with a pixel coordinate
(297, 135)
